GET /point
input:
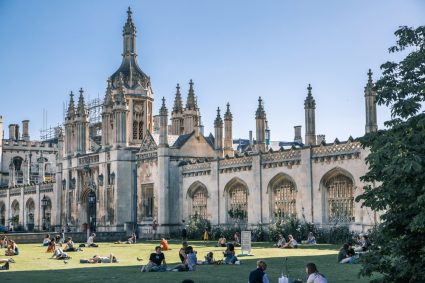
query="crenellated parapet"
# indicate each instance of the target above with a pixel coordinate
(281, 158)
(337, 151)
(235, 164)
(196, 169)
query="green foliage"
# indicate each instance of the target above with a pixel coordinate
(299, 230)
(238, 213)
(196, 226)
(396, 162)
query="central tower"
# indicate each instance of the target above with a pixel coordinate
(129, 80)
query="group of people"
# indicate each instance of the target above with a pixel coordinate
(11, 250)
(222, 241)
(350, 254)
(292, 243)
(260, 276)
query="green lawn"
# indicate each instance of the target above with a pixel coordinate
(33, 264)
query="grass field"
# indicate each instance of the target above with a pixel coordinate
(33, 264)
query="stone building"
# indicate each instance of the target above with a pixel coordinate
(137, 168)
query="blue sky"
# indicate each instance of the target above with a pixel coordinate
(234, 51)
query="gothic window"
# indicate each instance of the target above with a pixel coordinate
(340, 199)
(135, 130)
(15, 213)
(138, 121)
(30, 211)
(284, 198)
(147, 201)
(2, 214)
(199, 203)
(238, 202)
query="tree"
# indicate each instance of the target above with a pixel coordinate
(397, 166)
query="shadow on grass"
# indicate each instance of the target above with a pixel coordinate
(294, 266)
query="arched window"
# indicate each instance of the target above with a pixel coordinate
(30, 209)
(15, 213)
(2, 214)
(199, 203)
(340, 196)
(238, 202)
(284, 198)
(138, 121)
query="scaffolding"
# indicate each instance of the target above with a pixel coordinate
(94, 110)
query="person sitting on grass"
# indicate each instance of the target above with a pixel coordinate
(90, 241)
(6, 262)
(3, 242)
(209, 258)
(182, 252)
(12, 248)
(132, 239)
(346, 254)
(156, 262)
(59, 254)
(221, 241)
(101, 259)
(46, 240)
(164, 245)
(313, 274)
(281, 241)
(364, 244)
(229, 255)
(51, 247)
(291, 244)
(311, 240)
(190, 263)
(70, 246)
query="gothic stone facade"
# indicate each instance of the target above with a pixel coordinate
(131, 173)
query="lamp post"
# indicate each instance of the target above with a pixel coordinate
(44, 203)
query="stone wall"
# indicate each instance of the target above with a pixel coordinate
(77, 237)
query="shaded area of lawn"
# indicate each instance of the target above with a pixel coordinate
(33, 265)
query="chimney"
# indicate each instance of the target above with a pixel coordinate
(250, 138)
(25, 130)
(321, 138)
(12, 132)
(297, 134)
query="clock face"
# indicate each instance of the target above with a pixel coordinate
(137, 108)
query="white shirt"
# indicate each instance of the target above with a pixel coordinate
(316, 278)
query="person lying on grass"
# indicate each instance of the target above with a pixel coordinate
(101, 259)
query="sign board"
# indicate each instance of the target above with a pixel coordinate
(246, 242)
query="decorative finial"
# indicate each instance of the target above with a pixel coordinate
(191, 83)
(163, 101)
(129, 12)
(218, 111)
(369, 74)
(178, 88)
(81, 91)
(309, 88)
(71, 94)
(228, 106)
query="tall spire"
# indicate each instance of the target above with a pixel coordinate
(228, 115)
(370, 103)
(191, 99)
(71, 106)
(218, 121)
(178, 104)
(108, 101)
(260, 113)
(81, 104)
(309, 101)
(163, 110)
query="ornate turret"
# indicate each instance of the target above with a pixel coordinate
(81, 108)
(310, 118)
(163, 127)
(133, 75)
(71, 107)
(228, 119)
(191, 103)
(120, 114)
(191, 115)
(370, 103)
(177, 114)
(218, 128)
(107, 117)
(260, 120)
